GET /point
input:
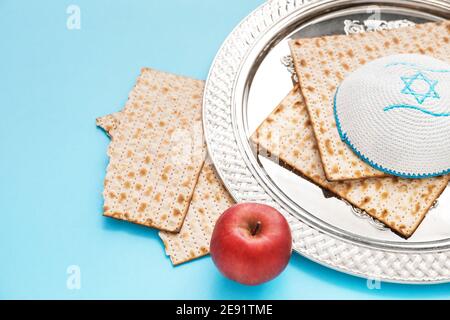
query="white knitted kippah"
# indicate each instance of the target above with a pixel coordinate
(394, 112)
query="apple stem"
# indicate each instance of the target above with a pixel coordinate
(256, 228)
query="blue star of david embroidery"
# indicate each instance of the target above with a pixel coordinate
(420, 96)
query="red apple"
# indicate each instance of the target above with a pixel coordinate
(251, 243)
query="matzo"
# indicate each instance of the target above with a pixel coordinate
(401, 204)
(322, 64)
(209, 201)
(156, 152)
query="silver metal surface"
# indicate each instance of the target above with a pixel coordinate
(262, 79)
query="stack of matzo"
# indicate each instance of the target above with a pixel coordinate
(302, 130)
(157, 154)
(209, 201)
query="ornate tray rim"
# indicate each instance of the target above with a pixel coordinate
(412, 266)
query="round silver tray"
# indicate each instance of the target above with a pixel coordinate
(249, 77)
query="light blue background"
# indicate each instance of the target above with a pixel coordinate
(53, 84)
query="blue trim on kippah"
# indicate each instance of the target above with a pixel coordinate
(345, 138)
